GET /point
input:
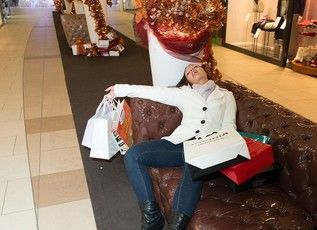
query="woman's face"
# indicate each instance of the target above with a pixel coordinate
(195, 74)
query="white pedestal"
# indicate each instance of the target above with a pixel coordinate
(68, 7)
(129, 4)
(166, 69)
(79, 7)
(91, 23)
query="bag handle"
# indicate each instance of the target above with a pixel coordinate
(106, 102)
(111, 105)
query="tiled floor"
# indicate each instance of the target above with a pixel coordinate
(37, 126)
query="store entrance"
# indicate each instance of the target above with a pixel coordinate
(259, 28)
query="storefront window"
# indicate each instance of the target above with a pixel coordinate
(302, 53)
(1, 16)
(259, 27)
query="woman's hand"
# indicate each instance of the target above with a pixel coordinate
(110, 91)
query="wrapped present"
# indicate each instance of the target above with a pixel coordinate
(261, 158)
(92, 51)
(79, 48)
(103, 52)
(114, 53)
(103, 43)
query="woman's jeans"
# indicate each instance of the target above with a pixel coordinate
(161, 154)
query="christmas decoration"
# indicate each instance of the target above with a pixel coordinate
(182, 27)
(109, 43)
(58, 6)
(112, 46)
(98, 16)
(209, 63)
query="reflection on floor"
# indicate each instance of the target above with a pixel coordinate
(57, 175)
(275, 52)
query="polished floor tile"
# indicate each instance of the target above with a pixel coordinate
(18, 196)
(14, 167)
(7, 146)
(290, 89)
(24, 220)
(67, 216)
(3, 188)
(20, 146)
(58, 140)
(49, 124)
(60, 160)
(68, 186)
(11, 128)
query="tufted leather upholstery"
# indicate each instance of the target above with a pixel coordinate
(291, 203)
(75, 27)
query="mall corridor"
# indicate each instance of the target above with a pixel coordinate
(37, 134)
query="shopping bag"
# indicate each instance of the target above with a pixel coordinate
(123, 130)
(98, 134)
(267, 176)
(261, 158)
(256, 137)
(214, 152)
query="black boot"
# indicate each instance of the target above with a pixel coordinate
(179, 221)
(152, 219)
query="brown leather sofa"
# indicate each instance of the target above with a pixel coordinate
(290, 203)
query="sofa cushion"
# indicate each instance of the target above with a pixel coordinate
(265, 207)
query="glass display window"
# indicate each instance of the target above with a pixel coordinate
(303, 47)
(259, 28)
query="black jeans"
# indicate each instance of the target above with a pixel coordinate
(161, 154)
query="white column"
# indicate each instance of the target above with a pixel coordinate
(91, 23)
(68, 7)
(166, 69)
(79, 7)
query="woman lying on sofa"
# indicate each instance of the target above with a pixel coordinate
(206, 108)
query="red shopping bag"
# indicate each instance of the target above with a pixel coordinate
(124, 128)
(261, 158)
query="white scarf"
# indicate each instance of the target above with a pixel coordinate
(206, 89)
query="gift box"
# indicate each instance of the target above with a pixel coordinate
(103, 43)
(267, 176)
(261, 158)
(80, 49)
(103, 51)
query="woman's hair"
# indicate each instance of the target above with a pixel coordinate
(212, 74)
(183, 81)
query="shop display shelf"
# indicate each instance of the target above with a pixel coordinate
(304, 69)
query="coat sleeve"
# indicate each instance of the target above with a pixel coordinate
(170, 96)
(229, 121)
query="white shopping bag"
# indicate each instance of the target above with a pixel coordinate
(215, 149)
(98, 134)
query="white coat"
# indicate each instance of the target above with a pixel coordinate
(200, 116)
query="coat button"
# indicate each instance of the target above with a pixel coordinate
(202, 121)
(197, 131)
(204, 108)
